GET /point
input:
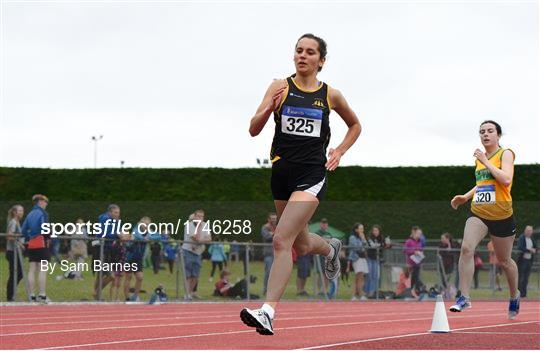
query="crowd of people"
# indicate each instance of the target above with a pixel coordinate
(361, 258)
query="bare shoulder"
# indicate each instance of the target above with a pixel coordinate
(508, 156)
(335, 97)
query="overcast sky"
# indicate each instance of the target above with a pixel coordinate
(174, 84)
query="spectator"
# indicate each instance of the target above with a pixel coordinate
(224, 288)
(414, 253)
(195, 235)
(14, 241)
(267, 233)
(527, 249)
(38, 246)
(496, 270)
(478, 264)
(357, 260)
(323, 229)
(135, 250)
(155, 250)
(324, 233)
(235, 251)
(422, 238)
(109, 224)
(303, 264)
(217, 256)
(243, 257)
(55, 249)
(171, 253)
(376, 243)
(117, 254)
(159, 296)
(449, 253)
(403, 289)
(344, 264)
(227, 250)
(78, 249)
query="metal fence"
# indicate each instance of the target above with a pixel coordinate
(246, 263)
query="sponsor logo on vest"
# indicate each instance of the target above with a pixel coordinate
(319, 103)
(483, 174)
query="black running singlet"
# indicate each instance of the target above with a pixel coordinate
(302, 129)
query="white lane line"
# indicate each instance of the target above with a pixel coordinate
(409, 335)
(183, 313)
(194, 323)
(497, 333)
(251, 330)
(317, 313)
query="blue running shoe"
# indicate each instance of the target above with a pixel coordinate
(462, 303)
(513, 307)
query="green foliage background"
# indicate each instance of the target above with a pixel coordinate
(396, 198)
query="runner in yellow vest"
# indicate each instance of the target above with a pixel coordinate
(492, 214)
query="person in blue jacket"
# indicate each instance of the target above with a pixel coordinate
(110, 228)
(170, 250)
(217, 256)
(37, 245)
(134, 256)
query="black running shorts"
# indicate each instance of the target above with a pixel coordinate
(288, 177)
(500, 228)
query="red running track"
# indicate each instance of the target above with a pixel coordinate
(298, 325)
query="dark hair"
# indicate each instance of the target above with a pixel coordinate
(356, 226)
(448, 236)
(497, 126)
(320, 41)
(378, 227)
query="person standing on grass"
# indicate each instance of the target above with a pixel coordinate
(527, 249)
(196, 234)
(135, 249)
(38, 246)
(267, 233)
(109, 224)
(217, 257)
(415, 256)
(357, 260)
(376, 243)
(14, 241)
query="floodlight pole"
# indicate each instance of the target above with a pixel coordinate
(95, 139)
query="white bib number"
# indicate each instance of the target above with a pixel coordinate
(484, 194)
(301, 121)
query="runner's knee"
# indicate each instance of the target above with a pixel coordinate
(467, 250)
(281, 243)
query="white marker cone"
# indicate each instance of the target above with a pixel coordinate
(440, 320)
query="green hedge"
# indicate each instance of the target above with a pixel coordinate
(393, 197)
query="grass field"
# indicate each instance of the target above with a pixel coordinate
(81, 290)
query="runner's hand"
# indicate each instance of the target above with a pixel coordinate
(333, 159)
(276, 99)
(480, 156)
(457, 201)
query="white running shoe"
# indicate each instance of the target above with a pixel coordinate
(332, 267)
(257, 319)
